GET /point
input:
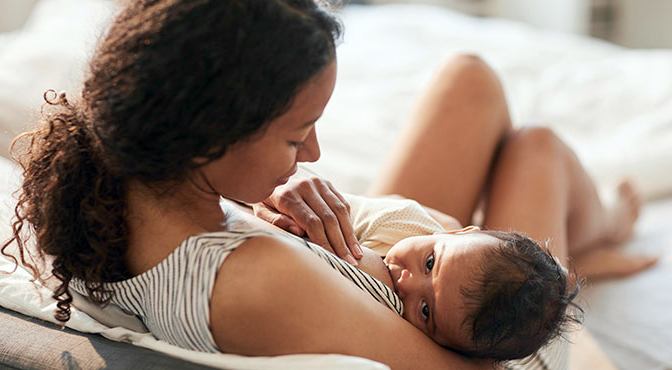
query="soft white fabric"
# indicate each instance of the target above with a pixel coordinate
(49, 52)
(631, 318)
(9, 182)
(611, 104)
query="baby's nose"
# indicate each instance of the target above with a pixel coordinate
(404, 283)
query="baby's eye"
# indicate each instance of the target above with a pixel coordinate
(424, 309)
(429, 264)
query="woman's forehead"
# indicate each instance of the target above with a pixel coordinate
(309, 101)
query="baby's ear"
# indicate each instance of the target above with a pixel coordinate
(461, 231)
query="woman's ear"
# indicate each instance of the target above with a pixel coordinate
(461, 231)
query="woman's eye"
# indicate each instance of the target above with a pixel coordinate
(424, 309)
(295, 144)
(429, 264)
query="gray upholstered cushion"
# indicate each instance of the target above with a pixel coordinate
(28, 343)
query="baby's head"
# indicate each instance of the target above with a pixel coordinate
(482, 293)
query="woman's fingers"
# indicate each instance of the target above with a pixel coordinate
(341, 207)
(334, 218)
(276, 218)
(322, 212)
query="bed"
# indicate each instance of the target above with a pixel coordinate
(612, 105)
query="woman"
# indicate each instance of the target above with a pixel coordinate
(187, 101)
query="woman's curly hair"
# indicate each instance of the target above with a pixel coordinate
(172, 85)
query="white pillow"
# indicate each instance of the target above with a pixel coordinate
(50, 52)
(9, 182)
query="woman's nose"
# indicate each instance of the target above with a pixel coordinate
(310, 150)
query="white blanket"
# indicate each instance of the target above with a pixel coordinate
(613, 105)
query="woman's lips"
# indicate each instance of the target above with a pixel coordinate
(283, 180)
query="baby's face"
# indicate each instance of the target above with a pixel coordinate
(428, 273)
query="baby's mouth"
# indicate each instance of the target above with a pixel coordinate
(395, 272)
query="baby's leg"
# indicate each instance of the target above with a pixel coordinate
(444, 154)
(539, 188)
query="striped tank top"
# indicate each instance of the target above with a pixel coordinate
(173, 298)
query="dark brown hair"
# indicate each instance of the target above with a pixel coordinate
(520, 300)
(171, 86)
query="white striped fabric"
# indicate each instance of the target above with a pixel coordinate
(173, 298)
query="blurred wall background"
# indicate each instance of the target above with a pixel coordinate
(13, 13)
(632, 23)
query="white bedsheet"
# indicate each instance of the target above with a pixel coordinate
(613, 105)
(632, 318)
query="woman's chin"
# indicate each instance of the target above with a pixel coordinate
(252, 197)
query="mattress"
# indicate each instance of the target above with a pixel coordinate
(612, 105)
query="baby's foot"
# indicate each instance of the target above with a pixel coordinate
(622, 213)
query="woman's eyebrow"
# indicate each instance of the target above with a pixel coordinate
(305, 125)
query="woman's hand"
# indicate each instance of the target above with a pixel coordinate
(310, 205)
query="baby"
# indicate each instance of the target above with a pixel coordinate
(482, 293)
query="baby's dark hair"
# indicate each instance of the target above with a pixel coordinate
(521, 299)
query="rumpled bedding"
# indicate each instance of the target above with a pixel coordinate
(612, 105)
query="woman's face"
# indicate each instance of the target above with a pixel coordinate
(251, 169)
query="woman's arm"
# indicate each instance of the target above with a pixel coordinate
(273, 298)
